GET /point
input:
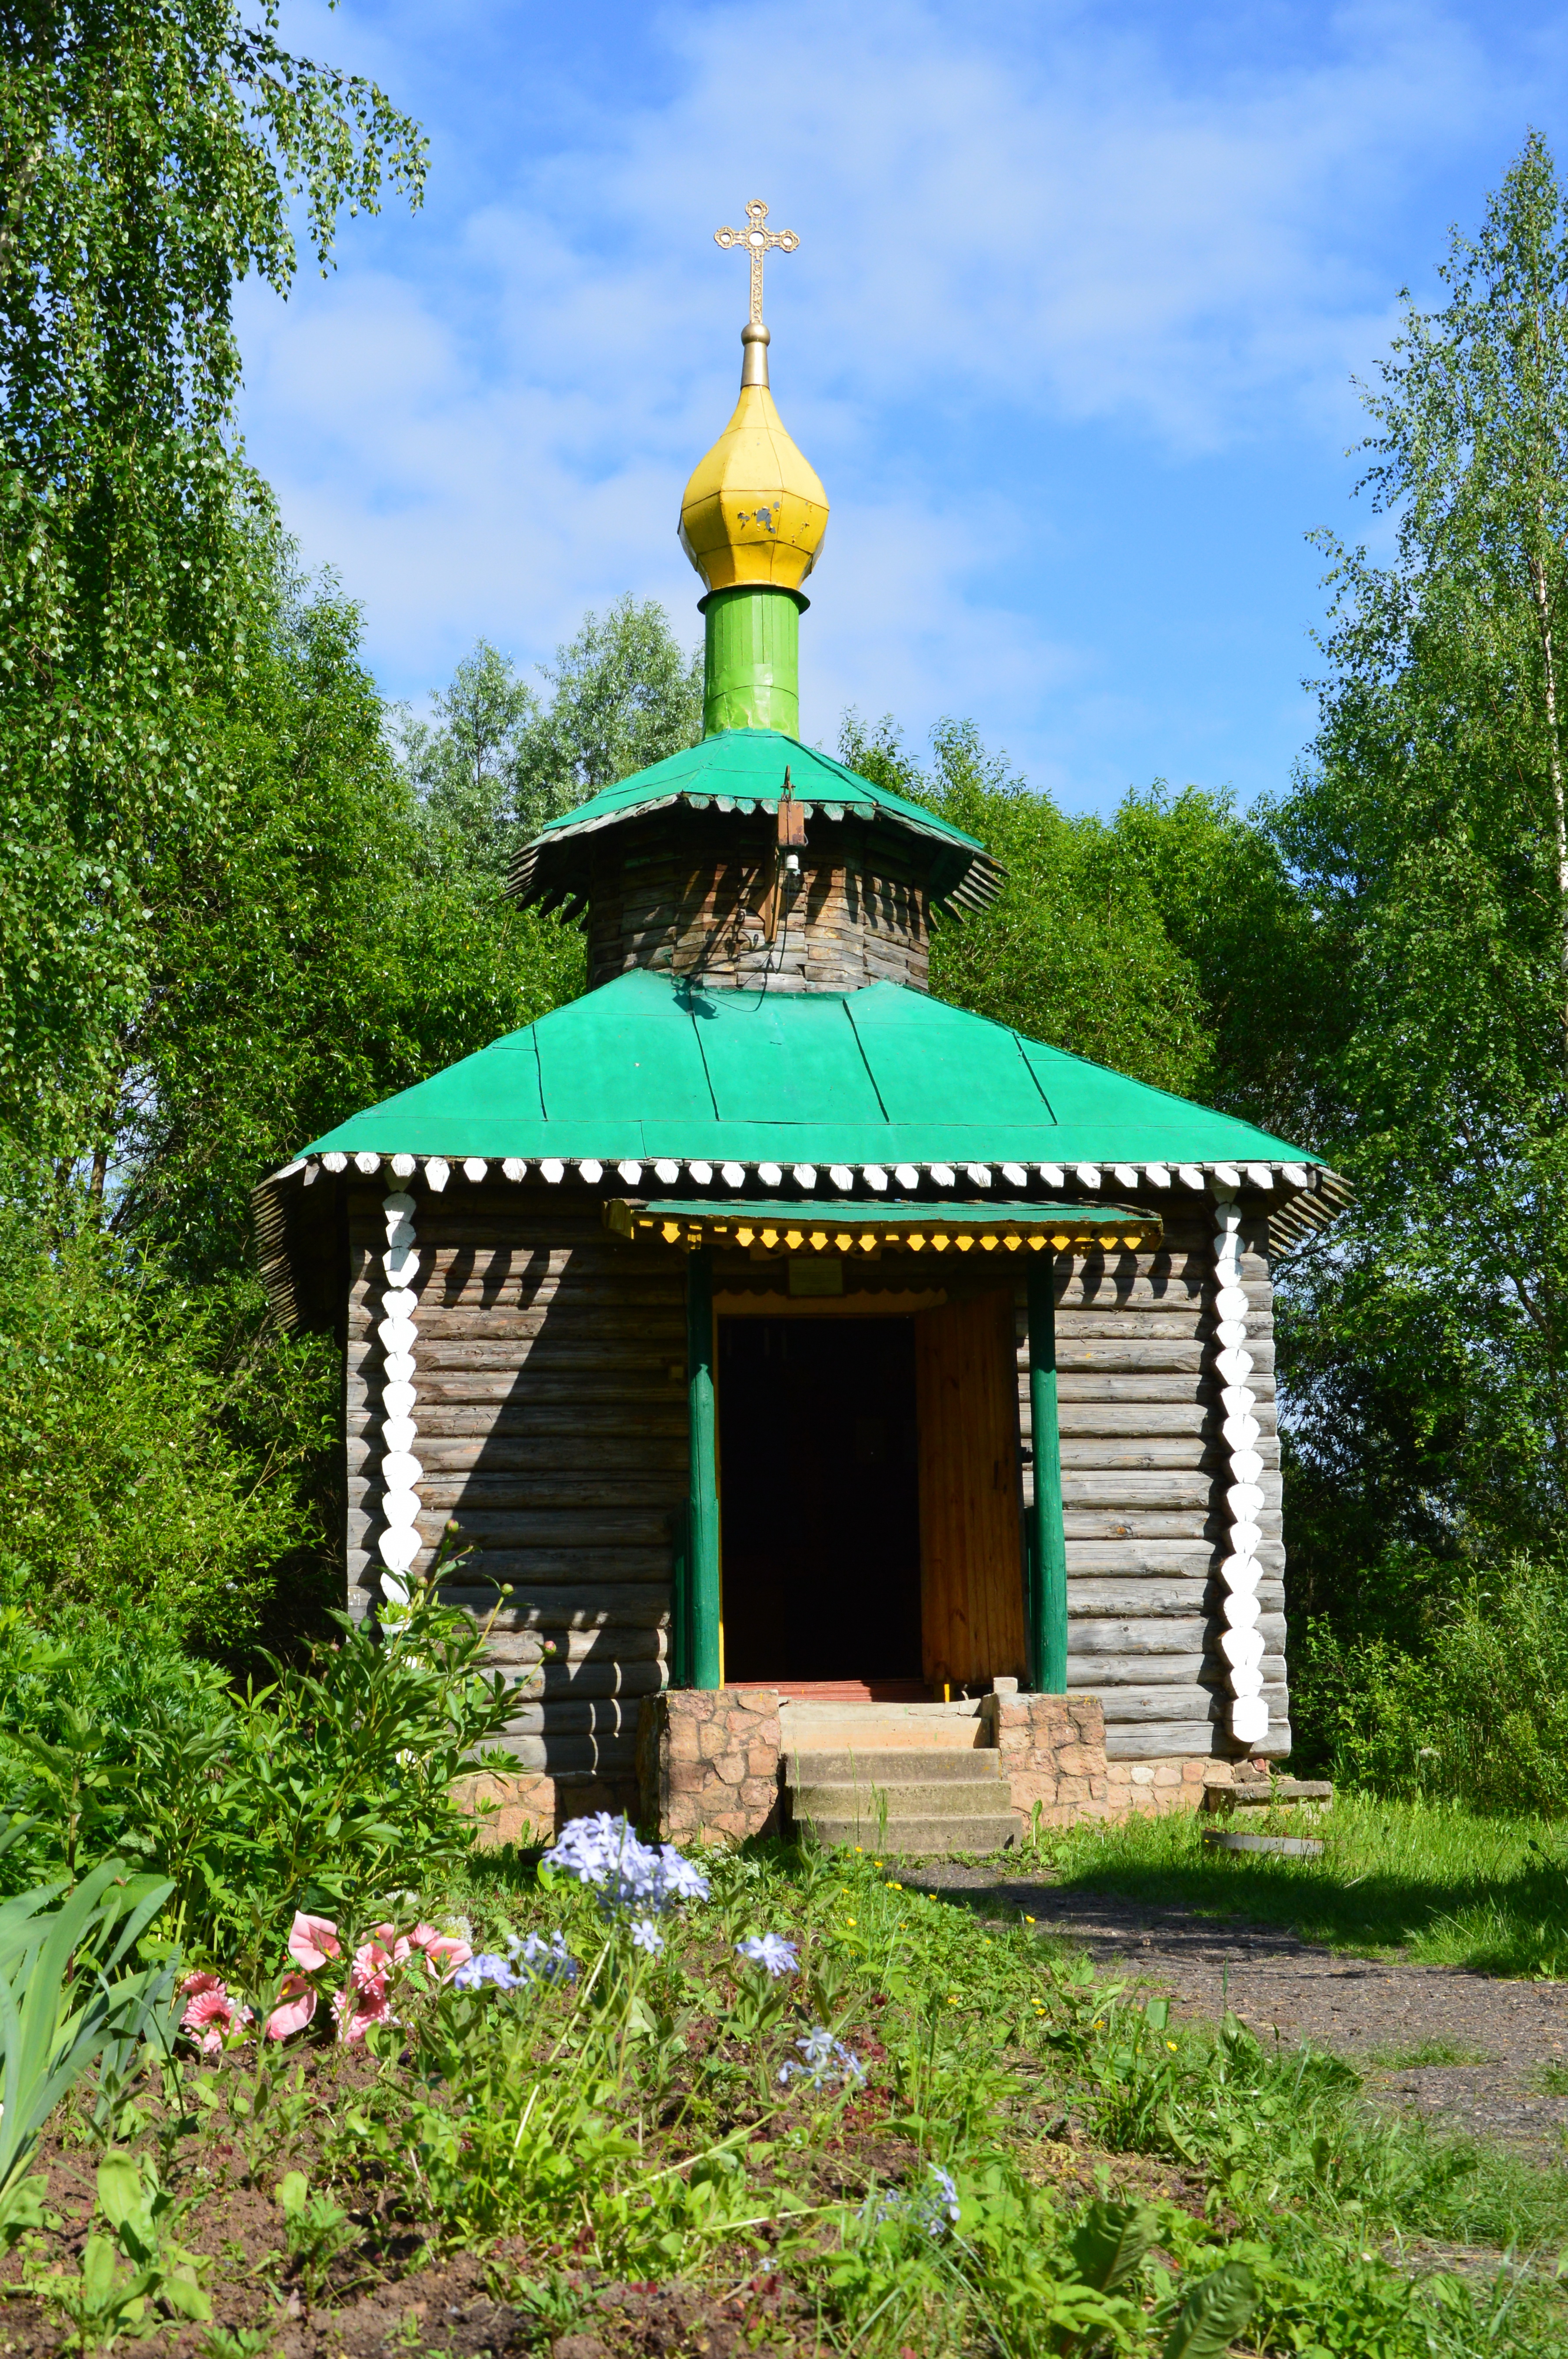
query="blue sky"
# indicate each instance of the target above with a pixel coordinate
(1069, 336)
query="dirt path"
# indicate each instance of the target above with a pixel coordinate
(1375, 2012)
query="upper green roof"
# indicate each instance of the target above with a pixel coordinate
(648, 1068)
(744, 770)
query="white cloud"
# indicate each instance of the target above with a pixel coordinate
(1020, 226)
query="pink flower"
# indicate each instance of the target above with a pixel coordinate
(446, 1951)
(297, 2005)
(370, 1972)
(357, 2009)
(210, 2016)
(312, 1940)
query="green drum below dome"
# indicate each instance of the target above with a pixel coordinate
(751, 659)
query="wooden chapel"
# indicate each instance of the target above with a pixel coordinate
(764, 1322)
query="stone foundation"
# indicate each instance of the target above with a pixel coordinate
(1054, 1757)
(1154, 1788)
(708, 1763)
(533, 1807)
(1053, 1754)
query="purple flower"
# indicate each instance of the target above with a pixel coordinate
(486, 1967)
(826, 2060)
(772, 1952)
(607, 1854)
(645, 1935)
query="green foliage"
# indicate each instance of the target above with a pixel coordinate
(1136, 941)
(150, 158)
(323, 1790)
(100, 2300)
(497, 762)
(537, 2114)
(1478, 1716)
(67, 1989)
(125, 1488)
(1429, 836)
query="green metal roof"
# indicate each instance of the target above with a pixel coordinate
(647, 1068)
(744, 770)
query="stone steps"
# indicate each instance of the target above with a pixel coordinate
(906, 1800)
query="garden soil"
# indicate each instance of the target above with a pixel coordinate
(1375, 2012)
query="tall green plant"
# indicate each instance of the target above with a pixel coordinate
(329, 1788)
(150, 157)
(67, 1988)
(1429, 832)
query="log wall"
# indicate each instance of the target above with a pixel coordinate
(685, 897)
(1141, 1462)
(551, 1424)
(551, 1413)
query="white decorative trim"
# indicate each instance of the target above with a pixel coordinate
(734, 1174)
(1157, 1174)
(1294, 1175)
(437, 1171)
(591, 1171)
(335, 1162)
(875, 1178)
(553, 1171)
(944, 1175)
(399, 1472)
(475, 1168)
(1226, 1175)
(1088, 1174)
(1261, 1175)
(1054, 1174)
(1015, 1175)
(1124, 1174)
(980, 1173)
(366, 1162)
(907, 1175)
(1191, 1176)
(841, 1177)
(514, 1169)
(701, 1172)
(667, 1173)
(312, 1173)
(804, 1175)
(771, 1174)
(1240, 1642)
(630, 1173)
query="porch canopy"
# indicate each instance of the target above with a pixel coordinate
(868, 1228)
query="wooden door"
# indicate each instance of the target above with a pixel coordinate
(970, 1535)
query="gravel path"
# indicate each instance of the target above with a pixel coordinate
(1375, 2012)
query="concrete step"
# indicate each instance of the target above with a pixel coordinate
(870, 1727)
(918, 1838)
(893, 1765)
(931, 1798)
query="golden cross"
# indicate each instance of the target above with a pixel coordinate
(756, 238)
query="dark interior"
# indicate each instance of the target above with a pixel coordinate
(819, 1502)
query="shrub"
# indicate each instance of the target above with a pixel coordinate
(328, 1790)
(130, 1484)
(1478, 1712)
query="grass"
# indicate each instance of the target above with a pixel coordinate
(1423, 2051)
(572, 2148)
(1428, 1881)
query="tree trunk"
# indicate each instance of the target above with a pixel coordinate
(1542, 594)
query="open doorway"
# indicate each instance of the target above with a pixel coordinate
(820, 1500)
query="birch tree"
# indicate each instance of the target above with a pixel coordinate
(1427, 829)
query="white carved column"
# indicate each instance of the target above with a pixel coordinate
(1241, 1641)
(399, 1470)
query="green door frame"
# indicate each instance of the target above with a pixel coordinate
(1045, 1617)
(696, 1602)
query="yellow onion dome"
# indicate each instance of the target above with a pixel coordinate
(754, 510)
